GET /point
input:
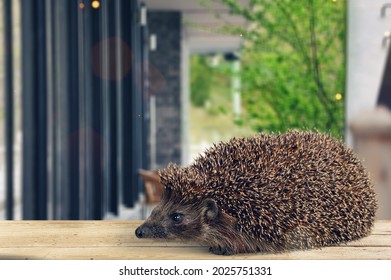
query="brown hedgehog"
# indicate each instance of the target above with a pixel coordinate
(269, 193)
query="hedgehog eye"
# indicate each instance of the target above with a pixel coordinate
(177, 218)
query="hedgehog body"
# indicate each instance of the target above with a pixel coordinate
(269, 193)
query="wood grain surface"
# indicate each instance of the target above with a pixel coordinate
(116, 240)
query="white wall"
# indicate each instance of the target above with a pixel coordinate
(185, 98)
(366, 56)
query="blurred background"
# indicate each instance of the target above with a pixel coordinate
(96, 95)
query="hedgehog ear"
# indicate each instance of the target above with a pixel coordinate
(166, 194)
(211, 209)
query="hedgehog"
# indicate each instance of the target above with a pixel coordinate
(268, 193)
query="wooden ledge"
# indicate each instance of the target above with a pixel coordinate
(67, 240)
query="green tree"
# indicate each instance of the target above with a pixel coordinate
(293, 63)
(201, 80)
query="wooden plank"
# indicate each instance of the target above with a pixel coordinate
(75, 234)
(116, 240)
(114, 233)
(371, 241)
(188, 253)
(382, 227)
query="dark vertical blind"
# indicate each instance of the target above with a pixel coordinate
(84, 71)
(9, 117)
(131, 107)
(34, 95)
(144, 39)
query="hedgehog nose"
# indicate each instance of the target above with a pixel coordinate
(139, 232)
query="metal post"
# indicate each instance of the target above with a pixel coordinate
(90, 116)
(62, 94)
(73, 110)
(82, 138)
(8, 108)
(96, 115)
(145, 98)
(113, 81)
(41, 110)
(51, 125)
(106, 105)
(34, 95)
(119, 100)
(126, 109)
(29, 131)
(136, 100)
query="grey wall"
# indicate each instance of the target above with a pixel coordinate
(165, 84)
(366, 57)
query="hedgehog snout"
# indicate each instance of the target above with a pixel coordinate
(139, 232)
(150, 231)
(143, 231)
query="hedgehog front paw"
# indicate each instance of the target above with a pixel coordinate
(218, 250)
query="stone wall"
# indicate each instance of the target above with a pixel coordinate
(165, 84)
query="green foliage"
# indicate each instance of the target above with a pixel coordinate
(293, 64)
(201, 80)
(210, 85)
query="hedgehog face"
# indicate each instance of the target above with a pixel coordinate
(176, 220)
